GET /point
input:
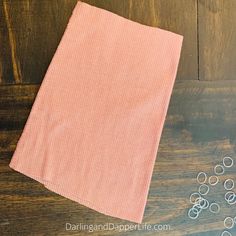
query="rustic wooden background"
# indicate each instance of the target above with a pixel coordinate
(199, 130)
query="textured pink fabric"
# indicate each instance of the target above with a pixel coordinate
(95, 126)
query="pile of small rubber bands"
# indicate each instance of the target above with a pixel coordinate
(199, 201)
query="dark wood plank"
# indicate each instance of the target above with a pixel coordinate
(6, 73)
(217, 39)
(31, 30)
(179, 16)
(15, 105)
(200, 128)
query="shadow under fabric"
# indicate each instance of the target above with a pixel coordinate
(94, 129)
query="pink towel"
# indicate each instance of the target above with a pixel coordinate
(94, 129)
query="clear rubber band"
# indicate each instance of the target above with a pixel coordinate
(231, 161)
(219, 172)
(199, 177)
(201, 189)
(228, 222)
(211, 180)
(229, 181)
(192, 196)
(228, 194)
(226, 233)
(194, 216)
(211, 208)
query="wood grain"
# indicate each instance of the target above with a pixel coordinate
(31, 31)
(12, 44)
(200, 129)
(217, 39)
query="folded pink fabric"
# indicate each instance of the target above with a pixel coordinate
(94, 129)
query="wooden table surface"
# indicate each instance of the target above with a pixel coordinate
(200, 127)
